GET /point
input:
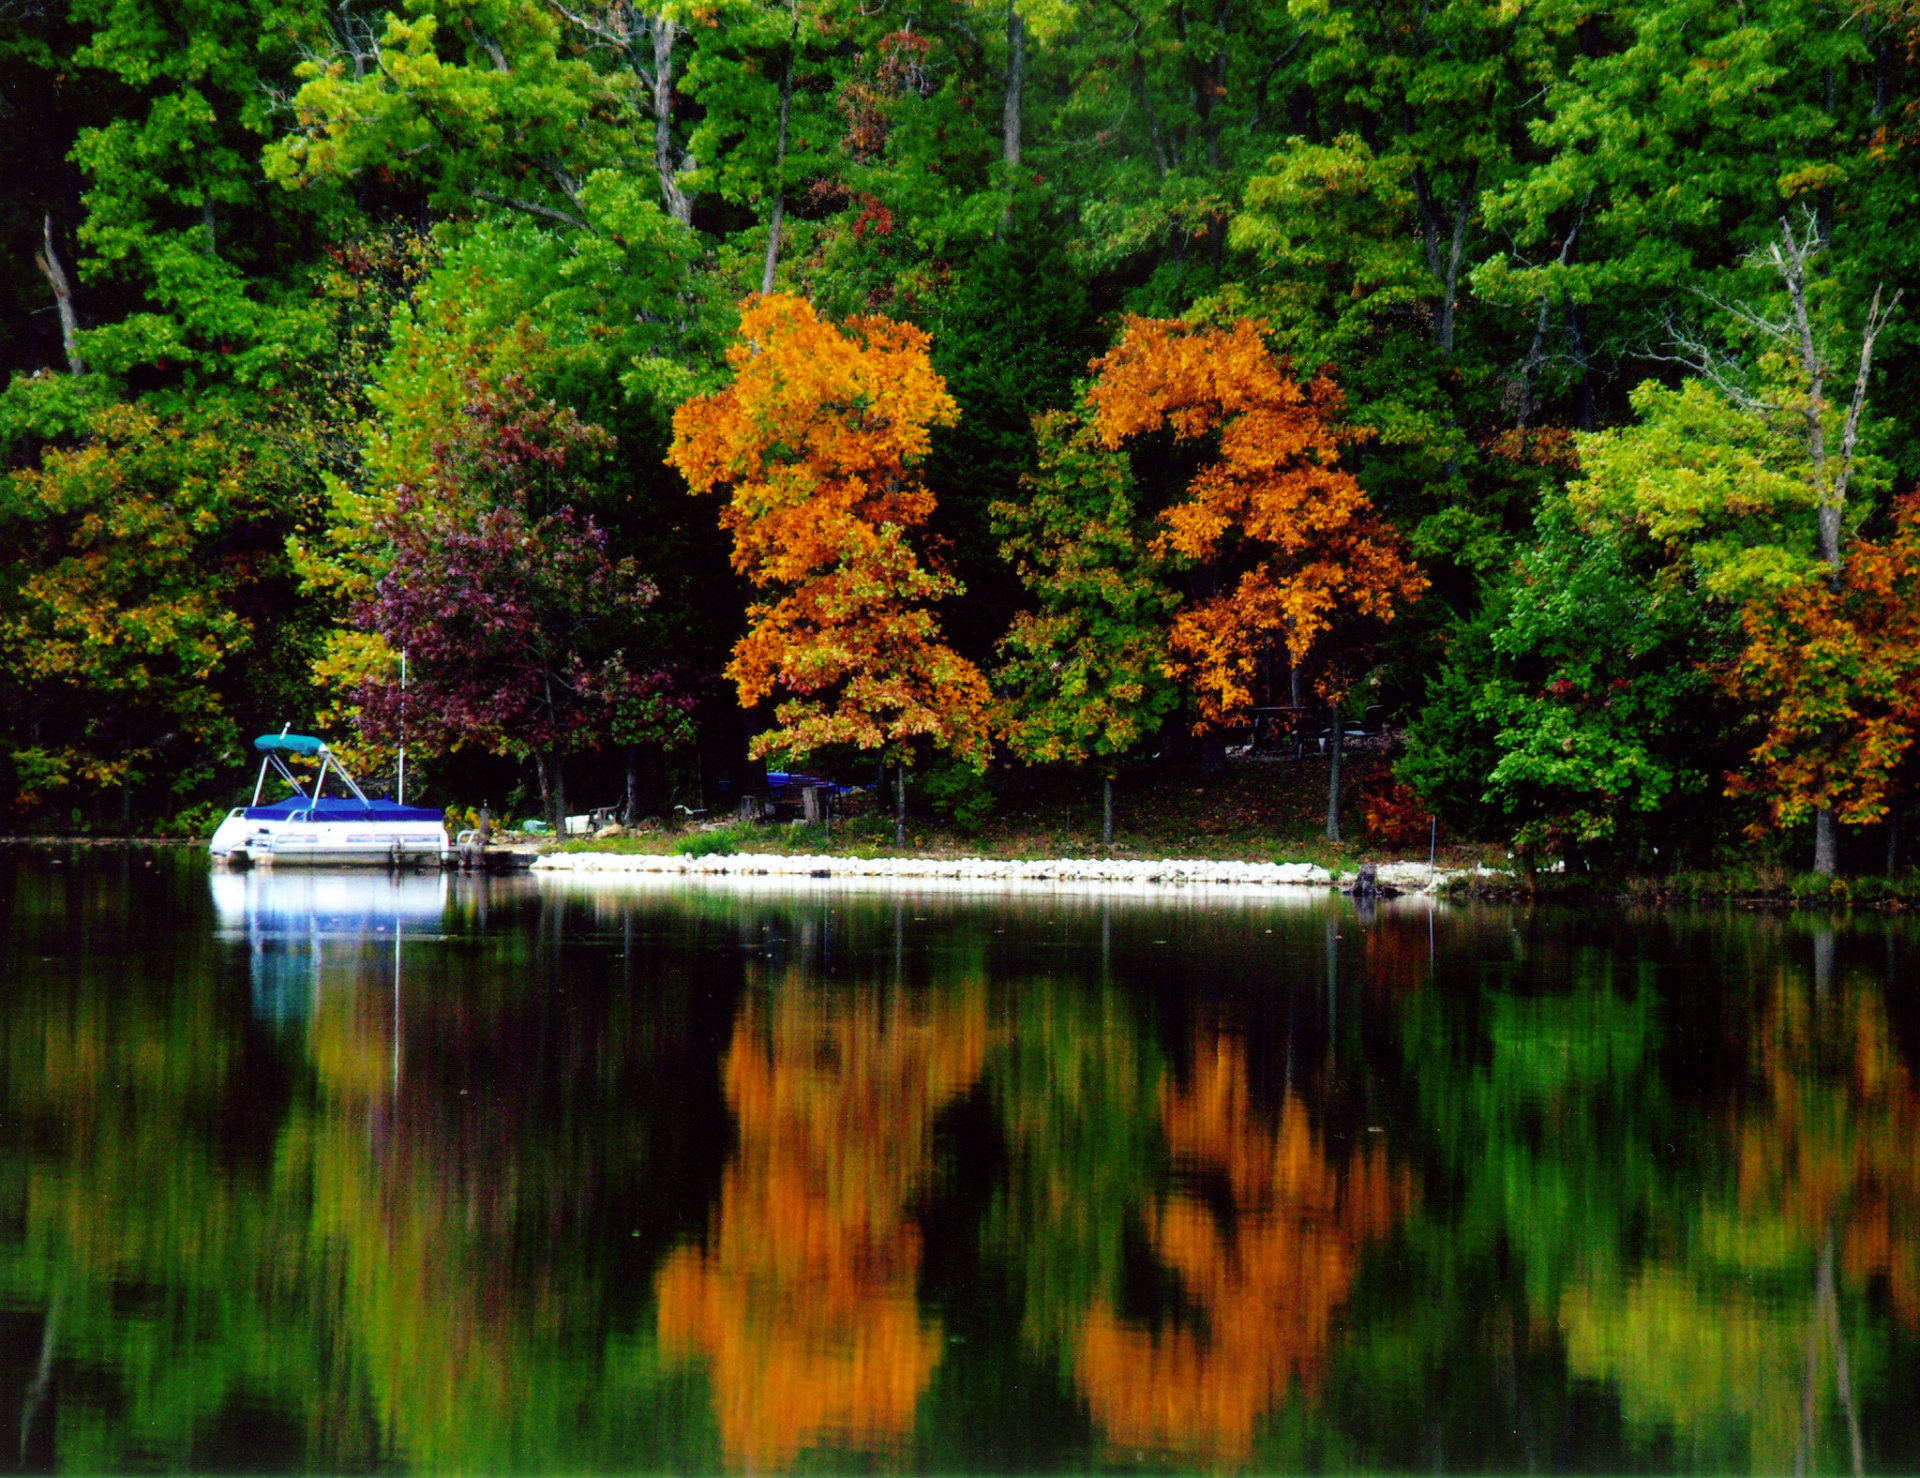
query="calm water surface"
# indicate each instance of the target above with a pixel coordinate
(344, 1173)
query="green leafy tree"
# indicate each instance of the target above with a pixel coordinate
(1085, 675)
(1609, 726)
(1753, 473)
(145, 599)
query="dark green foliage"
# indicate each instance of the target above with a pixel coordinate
(312, 224)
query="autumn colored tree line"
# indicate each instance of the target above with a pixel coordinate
(1531, 377)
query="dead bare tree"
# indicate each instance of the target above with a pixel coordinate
(1805, 407)
(644, 42)
(48, 261)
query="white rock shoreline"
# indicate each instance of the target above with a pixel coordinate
(1412, 877)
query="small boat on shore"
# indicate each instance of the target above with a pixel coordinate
(315, 829)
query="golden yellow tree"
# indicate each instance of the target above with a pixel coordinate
(817, 439)
(1287, 542)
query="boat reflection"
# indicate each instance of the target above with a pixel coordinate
(305, 930)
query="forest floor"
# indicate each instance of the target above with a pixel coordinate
(1257, 812)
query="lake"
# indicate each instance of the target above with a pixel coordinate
(349, 1173)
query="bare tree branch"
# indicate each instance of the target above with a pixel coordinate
(532, 208)
(1530, 367)
(1793, 334)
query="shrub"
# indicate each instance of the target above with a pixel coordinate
(722, 841)
(958, 795)
(1395, 816)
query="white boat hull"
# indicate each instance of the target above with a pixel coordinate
(294, 843)
(336, 844)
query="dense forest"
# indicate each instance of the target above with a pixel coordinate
(607, 399)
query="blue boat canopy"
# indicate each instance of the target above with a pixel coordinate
(291, 743)
(329, 809)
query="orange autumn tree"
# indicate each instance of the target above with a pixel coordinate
(818, 440)
(1288, 544)
(1836, 664)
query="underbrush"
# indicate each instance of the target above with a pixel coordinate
(1762, 885)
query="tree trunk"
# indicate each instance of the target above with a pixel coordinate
(1016, 86)
(543, 772)
(1446, 270)
(553, 790)
(1333, 774)
(779, 173)
(1010, 108)
(1213, 755)
(630, 806)
(1893, 842)
(48, 261)
(900, 804)
(1530, 367)
(679, 203)
(1106, 810)
(1586, 413)
(1826, 842)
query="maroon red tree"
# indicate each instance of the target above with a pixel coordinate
(517, 621)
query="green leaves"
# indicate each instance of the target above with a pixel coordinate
(1085, 674)
(1714, 484)
(1586, 698)
(141, 569)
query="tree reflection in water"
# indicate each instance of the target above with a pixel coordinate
(1264, 1274)
(802, 1302)
(1755, 1342)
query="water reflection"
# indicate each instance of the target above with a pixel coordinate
(1761, 1328)
(1263, 1233)
(802, 1298)
(333, 1174)
(305, 926)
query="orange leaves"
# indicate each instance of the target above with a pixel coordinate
(1267, 1281)
(1832, 1145)
(816, 440)
(1292, 538)
(816, 436)
(803, 1303)
(1839, 671)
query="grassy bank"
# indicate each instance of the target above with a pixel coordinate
(1255, 813)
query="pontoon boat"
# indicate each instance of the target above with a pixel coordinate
(318, 829)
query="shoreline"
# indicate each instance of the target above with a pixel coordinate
(1477, 882)
(1401, 877)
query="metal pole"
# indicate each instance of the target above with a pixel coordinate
(400, 785)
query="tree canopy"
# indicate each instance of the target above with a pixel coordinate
(1367, 314)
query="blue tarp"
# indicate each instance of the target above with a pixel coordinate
(331, 809)
(794, 780)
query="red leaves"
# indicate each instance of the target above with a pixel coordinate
(505, 598)
(1839, 671)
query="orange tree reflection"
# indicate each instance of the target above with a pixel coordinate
(802, 1301)
(1262, 1275)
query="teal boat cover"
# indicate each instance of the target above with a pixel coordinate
(290, 743)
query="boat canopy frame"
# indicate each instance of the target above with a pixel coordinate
(273, 745)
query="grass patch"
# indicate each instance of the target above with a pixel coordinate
(723, 841)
